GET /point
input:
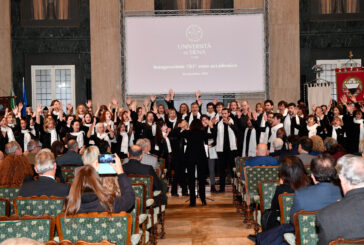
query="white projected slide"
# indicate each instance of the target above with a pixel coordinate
(214, 54)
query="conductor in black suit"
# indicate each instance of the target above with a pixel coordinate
(133, 166)
(45, 166)
(196, 155)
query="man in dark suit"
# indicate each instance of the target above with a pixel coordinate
(71, 156)
(45, 166)
(133, 166)
(345, 218)
(323, 192)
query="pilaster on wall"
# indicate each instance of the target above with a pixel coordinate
(5, 47)
(238, 4)
(284, 50)
(133, 5)
(105, 50)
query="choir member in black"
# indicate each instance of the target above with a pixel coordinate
(196, 157)
(241, 119)
(147, 130)
(6, 135)
(56, 110)
(80, 112)
(211, 112)
(210, 144)
(226, 146)
(128, 123)
(312, 126)
(353, 123)
(293, 124)
(219, 107)
(260, 123)
(77, 134)
(283, 108)
(101, 133)
(233, 107)
(11, 120)
(336, 131)
(164, 147)
(250, 141)
(178, 153)
(48, 132)
(23, 135)
(323, 121)
(122, 138)
(194, 114)
(66, 127)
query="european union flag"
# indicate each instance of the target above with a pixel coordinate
(24, 100)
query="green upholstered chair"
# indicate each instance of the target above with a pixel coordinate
(38, 206)
(95, 227)
(266, 189)
(4, 207)
(68, 170)
(10, 194)
(40, 228)
(285, 205)
(305, 228)
(140, 192)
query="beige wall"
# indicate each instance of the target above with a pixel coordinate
(284, 50)
(249, 3)
(132, 5)
(6, 73)
(105, 50)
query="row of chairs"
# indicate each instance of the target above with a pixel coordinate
(146, 214)
(258, 187)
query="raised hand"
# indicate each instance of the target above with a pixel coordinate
(114, 102)
(344, 100)
(353, 99)
(153, 98)
(146, 102)
(39, 109)
(171, 93)
(69, 107)
(15, 110)
(198, 94)
(199, 101)
(128, 101)
(313, 107)
(214, 101)
(213, 120)
(20, 106)
(167, 97)
(89, 103)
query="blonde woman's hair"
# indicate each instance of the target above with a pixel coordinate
(317, 143)
(90, 155)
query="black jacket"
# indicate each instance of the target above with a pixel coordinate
(43, 186)
(90, 203)
(70, 157)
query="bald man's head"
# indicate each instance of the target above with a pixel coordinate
(262, 149)
(135, 152)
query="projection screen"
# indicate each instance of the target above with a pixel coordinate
(212, 53)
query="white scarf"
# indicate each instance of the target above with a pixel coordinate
(211, 115)
(212, 154)
(173, 122)
(124, 142)
(184, 116)
(334, 134)
(111, 123)
(361, 122)
(218, 118)
(27, 138)
(105, 137)
(56, 113)
(79, 138)
(285, 112)
(191, 117)
(312, 130)
(220, 137)
(167, 142)
(81, 116)
(11, 125)
(53, 133)
(287, 124)
(162, 116)
(32, 130)
(88, 125)
(252, 152)
(263, 137)
(274, 135)
(154, 128)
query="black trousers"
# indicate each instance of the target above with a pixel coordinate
(201, 176)
(226, 163)
(179, 176)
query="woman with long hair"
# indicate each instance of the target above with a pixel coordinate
(87, 193)
(292, 176)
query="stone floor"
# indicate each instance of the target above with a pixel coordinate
(216, 223)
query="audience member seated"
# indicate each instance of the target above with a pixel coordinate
(34, 147)
(304, 147)
(45, 166)
(323, 192)
(134, 166)
(292, 145)
(15, 168)
(328, 142)
(277, 146)
(346, 217)
(88, 195)
(57, 148)
(292, 177)
(71, 156)
(318, 146)
(147, 159)
(336, 151)
(262, 157)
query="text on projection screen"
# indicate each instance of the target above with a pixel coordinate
(213, 54)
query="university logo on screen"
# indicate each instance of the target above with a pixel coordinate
(194, 47)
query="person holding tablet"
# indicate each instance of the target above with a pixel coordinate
(87, 193)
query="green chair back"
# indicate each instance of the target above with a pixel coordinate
(135, 214)
(95, 227)
(10, 194)
(253, 175)
(285, 206)
(308, 169)
(145, 179)
(305, 227)
(4, 207)
(38, 206)
(68, 170)
(140, 191)
(37, 228)
(266, 189)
